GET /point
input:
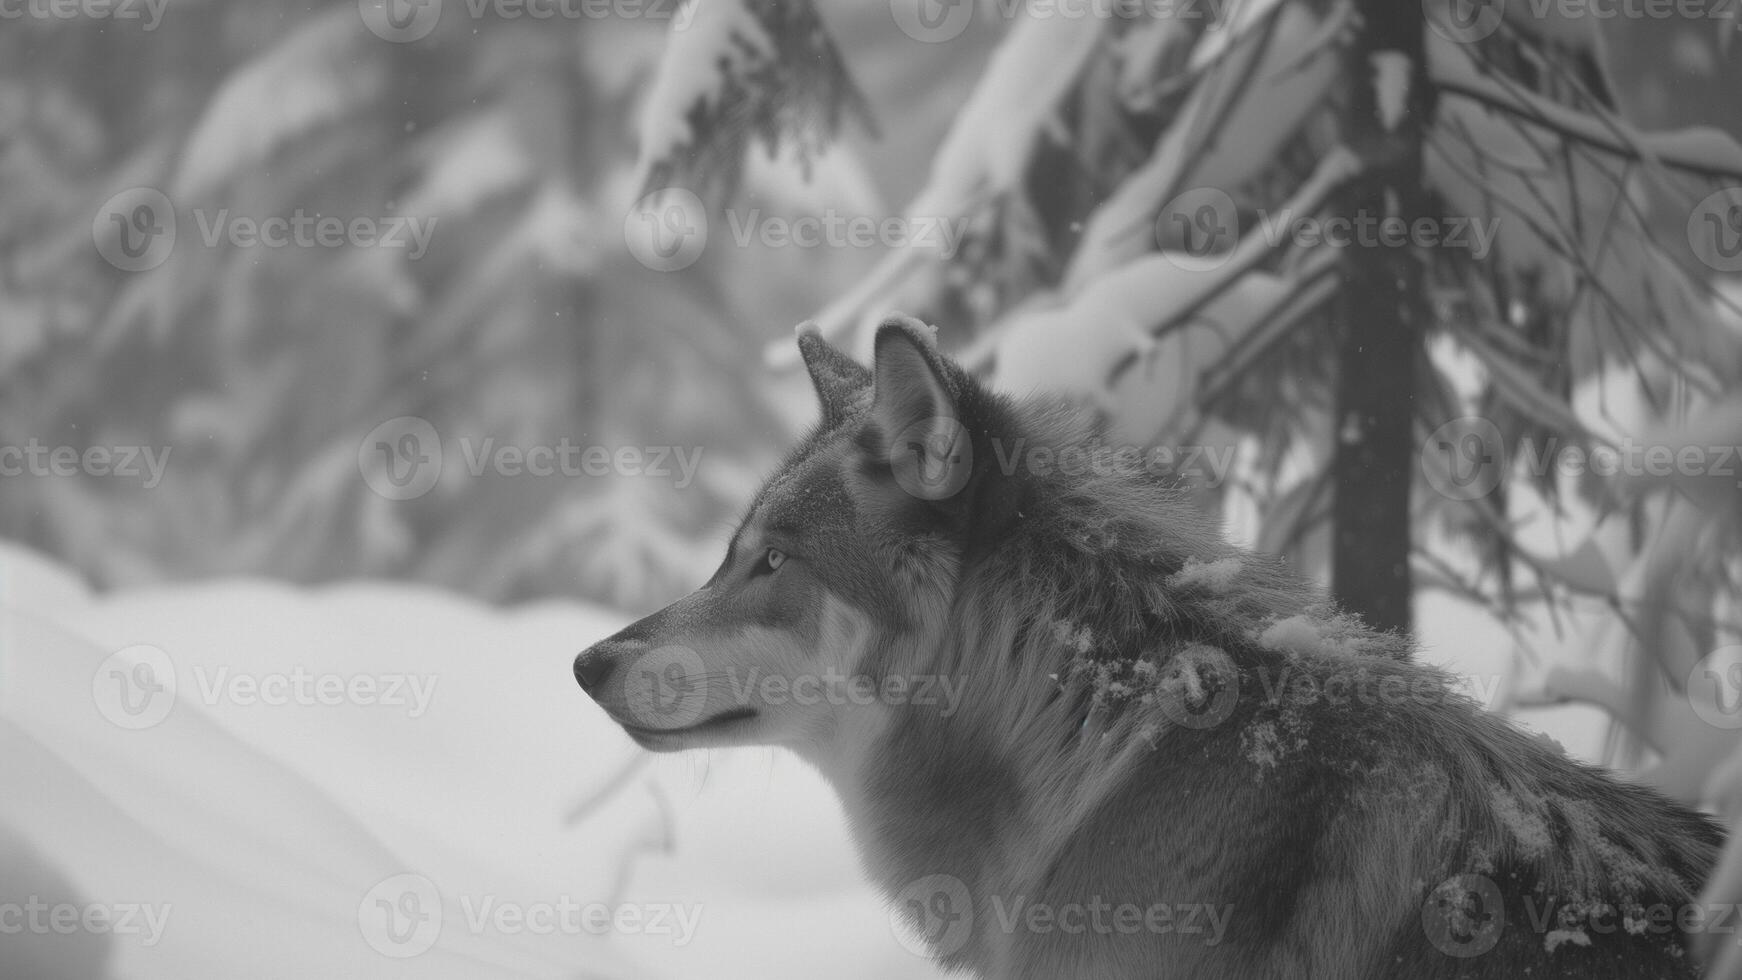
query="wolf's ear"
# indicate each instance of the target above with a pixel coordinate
(917, 413)
(843, 385)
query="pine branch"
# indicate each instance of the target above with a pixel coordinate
(777, 78)
(1573, 125)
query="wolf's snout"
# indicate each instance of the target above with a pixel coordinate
(594, 666)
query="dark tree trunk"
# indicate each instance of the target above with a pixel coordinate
(1382, 316)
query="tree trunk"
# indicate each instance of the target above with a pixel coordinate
(1382, 316)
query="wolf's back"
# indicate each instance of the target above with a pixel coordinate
(1414, 835)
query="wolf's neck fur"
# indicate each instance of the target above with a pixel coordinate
(1064, 636)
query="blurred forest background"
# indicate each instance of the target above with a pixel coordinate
(1111, 175)
(262, 369)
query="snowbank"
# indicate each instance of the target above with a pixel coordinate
(298, 783)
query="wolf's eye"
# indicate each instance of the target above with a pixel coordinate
(772, 559)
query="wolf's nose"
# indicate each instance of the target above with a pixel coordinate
(592, 668)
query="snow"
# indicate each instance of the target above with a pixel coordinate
(1075, 346)
(1243, 19)
(263, 826)
(984, 155)
(722, 39)
(1528, 828)
(314, 76)
(989, 145)
(466, 162)
(1077, 639)
(1262, 744)
(1224, 135)
(1216, 576)
(1556, 937)
(1297, 634)
(1391, 87)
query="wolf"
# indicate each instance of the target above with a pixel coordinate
(1079, 735)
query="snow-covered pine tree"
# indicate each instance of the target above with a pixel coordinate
(1134, 186)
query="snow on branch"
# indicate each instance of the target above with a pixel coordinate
(1087, 344)
(742, 71)
(985, 155)
(994, 136)
(1262, 84)
(318, 73)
